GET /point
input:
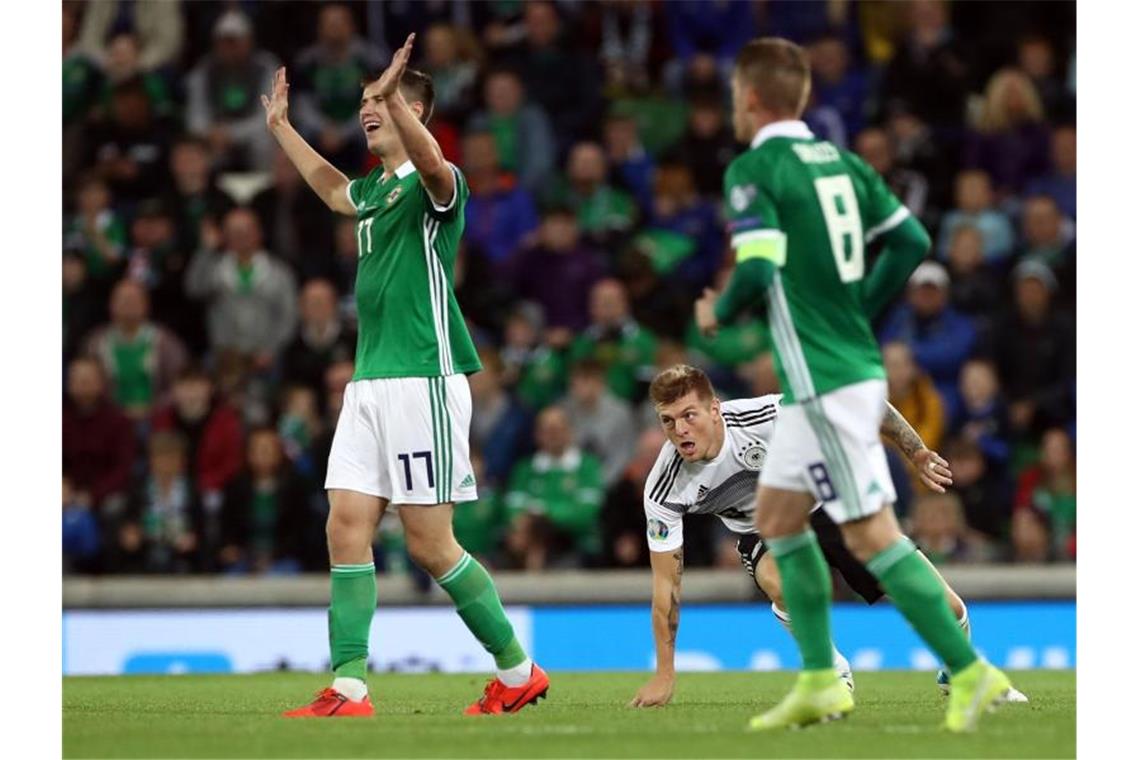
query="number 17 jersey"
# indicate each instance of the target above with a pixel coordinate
(811, 209)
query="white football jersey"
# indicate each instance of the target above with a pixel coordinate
(724, 486)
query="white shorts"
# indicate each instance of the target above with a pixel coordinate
(405, 439)
(830, 446)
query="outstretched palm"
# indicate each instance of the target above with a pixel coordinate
(277, 104)
(390, 79)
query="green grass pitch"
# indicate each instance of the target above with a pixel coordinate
(897, 715)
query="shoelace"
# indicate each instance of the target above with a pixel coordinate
(494, 688)
(328, 693)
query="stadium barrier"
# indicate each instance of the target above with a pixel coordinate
(556, 587)
(1023, 617)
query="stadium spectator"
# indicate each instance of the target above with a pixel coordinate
(631, 167)
(982, 417)
(622, 517)
(557, 272)
(975, 288)
(912, 392)
(164, 529)
(940, 337)
(194, 195)
(939, 529)
(211, 428)
(129, 149)
(222, 96)
(928, 75)
(322, 338)
(327, 87)
(682, 237)
(157, 26)
(122, 64)
(300, 424)
(1037, 59)
(298, 227)
(1048, 492)
(522, 130)
(96, 233)
(98, 439)
(1035, 351)
(264, 516)
(500, 426)
(452, 58)
(974, 201)
(81, 539)
(1011, 142)
(532, 368)
(836, 85)
(1045, 235)
(629, 46)
(139, 357)
(614, 338)
(566, 83)
(500, 214)
(705, 39)
(605, 214)
(555, 496)
(250, 297)
(708, 146)
(82, 79)
(603, 424)
(876, 147)
(1060, 183)
(986, 495)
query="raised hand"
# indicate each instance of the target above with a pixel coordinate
(390, 79)
(705, 313)
(277, 104)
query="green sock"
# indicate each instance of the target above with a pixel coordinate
(351, 607)
(477, 602)
(915, 589)
(807, 596)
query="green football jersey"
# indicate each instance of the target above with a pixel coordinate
(409, 320)
(811, 209)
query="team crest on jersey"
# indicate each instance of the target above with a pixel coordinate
(656, 529)
(754, 456)
(740, 196)
(392, 196)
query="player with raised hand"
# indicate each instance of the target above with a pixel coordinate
(801, 213)
(709, 464)
(402, 434)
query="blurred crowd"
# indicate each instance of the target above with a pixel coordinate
(209, 326)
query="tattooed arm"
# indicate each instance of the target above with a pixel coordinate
(667, 569)
(932, 469)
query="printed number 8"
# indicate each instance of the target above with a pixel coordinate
(818, 472)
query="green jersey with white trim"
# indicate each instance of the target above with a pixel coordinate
(410, 324)
(810, 209)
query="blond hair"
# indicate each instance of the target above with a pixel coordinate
(678, 381)
(995, 112)
(779, 73)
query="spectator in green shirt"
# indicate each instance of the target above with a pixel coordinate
(617, 341)
(522, 130)
(554, 497)
(605, 213)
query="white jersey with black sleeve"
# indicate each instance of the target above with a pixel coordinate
(724, 486)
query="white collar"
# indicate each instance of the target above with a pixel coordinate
(569, 460)
(788, 128)
(405, 169)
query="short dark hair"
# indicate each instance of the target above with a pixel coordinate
(414, 85)
(588, 367)
(778, 71)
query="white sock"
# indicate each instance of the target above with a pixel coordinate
(353, 688)
(964, 621)
(786, 621)
(516, 676)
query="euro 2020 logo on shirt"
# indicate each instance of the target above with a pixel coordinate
(656, 529)
(740, 196)
(754, 456)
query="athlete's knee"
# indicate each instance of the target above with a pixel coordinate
(869, 536)
(436, 554)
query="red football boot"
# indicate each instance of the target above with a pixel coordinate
(498, 698)
(330, 703)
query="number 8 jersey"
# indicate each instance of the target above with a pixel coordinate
(811, 209)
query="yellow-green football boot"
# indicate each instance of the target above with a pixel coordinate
(818, 697)
(978, 689)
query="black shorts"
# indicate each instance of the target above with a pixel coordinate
(834, 551)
